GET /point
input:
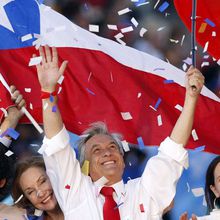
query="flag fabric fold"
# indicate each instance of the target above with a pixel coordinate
(129, 90)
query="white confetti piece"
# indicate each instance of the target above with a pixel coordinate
(112, 27)
(174, 41)
(194, 135)
(206, 56)
(205, 64)
(121, 41)
(156, 4)
(100, 182)
(183, 38)
(38, 212)
(188, 61)
(152, 108)
(139, 95)
(9, 153)
(213, 34)
(127, 29)
(144, 3)
(206, 47)
(26, 37)
(4, 111)
(126, 115)
(60, 80)
(143, 31)
(59, 90)
(197, 192)
(93, 28)
(218, 62)
(125, 145)
(31, 106)
(134, 22)
(45, 106)
(28, 90)
(188, 187)
(119, 35)
(19, 199)
(35, 61)
(179, 107)
(161, 28)
(184, 67)
(124, 11)
(204, 203)
(159, 120)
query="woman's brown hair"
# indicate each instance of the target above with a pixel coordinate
(21, 167)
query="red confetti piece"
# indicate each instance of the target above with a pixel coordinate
(67, 186)
(142, 208)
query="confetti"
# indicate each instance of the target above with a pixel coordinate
(35, 61)
(168, 81)
(194, 135)
(197, 192)
(141, 208)
(164, 6)
(158, 1)
(101, 182)
(121, 42)
(204, 64)
(158, 103)
(45, 106)
(67, 186)
(125, 145)
(4, 111)
(91, 92)
(85, 168)
(124, 11)
(31, 106)
(126, 116)
(202, 27)
(26, 37)
(93, 28)
(183, 38)
(204, 203)
(59, 90)
(11, 132)
(188, 187)
(134, 22)
(9, 153)
(54, 108)
(140, 142)
(119, 35)
(184, 67)
(213, 34)
(174, 41)
(206, 57)
(19, 199)
(127, 29)
(179, 107)
(144, 3)
(211, 23)
(159, 69)
(111, 76)
(161, 28)
(119, 205)
(206, 47)
(159, 120)
(28, 90)
(112, 27)
(152, 108)
(142, 31)
(139, 95)
(188, 61)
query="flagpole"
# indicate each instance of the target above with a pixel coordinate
(23, 109)
(193, 37)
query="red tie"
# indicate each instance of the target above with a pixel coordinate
(110, 209)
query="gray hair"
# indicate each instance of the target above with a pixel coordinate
(95, 129)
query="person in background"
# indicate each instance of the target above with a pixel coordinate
(10, 212)
(32, 185)
(102, 194)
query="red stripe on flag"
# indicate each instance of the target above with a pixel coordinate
(98, 88)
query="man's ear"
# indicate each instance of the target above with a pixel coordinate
(214, 191)
(2, 182)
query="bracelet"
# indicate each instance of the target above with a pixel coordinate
(46, 95)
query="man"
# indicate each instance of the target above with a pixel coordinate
(85, 197)
(7, 163)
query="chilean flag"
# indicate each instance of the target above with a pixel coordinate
(207, 22)
(136, 94)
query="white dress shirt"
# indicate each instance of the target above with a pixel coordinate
(142, 198)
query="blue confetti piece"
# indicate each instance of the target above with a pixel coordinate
(140, 142)
(158, 103)
(208, 21)
(51, 98)
(116, 207)
(91, 92)
(54, 108)
(159, 69)
(168, 81)
(163, 7)
(199, 149)
(12, 133)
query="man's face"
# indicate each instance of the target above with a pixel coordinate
(105, 159)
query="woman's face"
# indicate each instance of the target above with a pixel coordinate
(216, 188)
(36, 186)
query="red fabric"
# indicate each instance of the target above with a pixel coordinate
(110, 209)
(103, 97)
(206, 9)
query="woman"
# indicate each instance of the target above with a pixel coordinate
(212, 191)
(33, 187)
